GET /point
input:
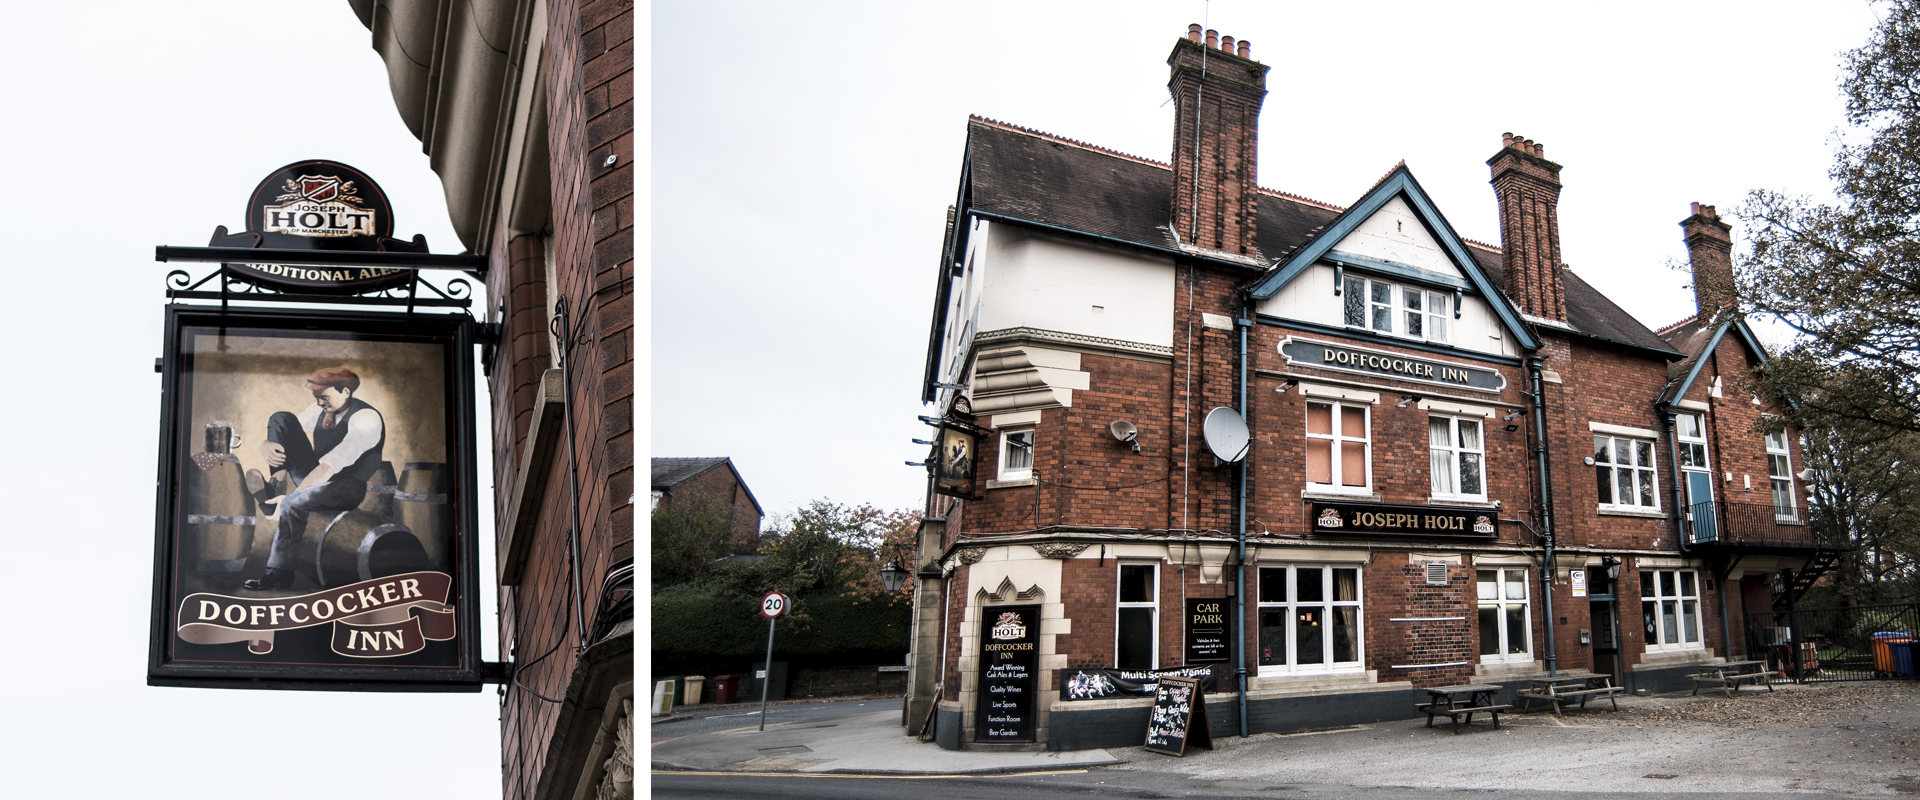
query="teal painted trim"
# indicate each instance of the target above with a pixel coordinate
(1393, 341)
(1753, 342)
(1398, 270)
(1400, 182)
(1700, 361)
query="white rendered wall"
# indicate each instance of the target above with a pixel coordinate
(1036, 281)
(1394, 233)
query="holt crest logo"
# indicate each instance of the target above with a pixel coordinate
(1329, 518)
(1481, 524)
(1008, 626)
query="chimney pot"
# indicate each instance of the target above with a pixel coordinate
(1193, 32)
(1215, 149)
(1246, 49)
(1710, 254)
(1528, 191)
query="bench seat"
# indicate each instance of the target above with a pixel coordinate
(1554, 699)
(1456, 712)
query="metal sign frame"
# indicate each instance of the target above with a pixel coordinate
(456, 667)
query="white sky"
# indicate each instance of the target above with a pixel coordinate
(131, 125)
(805, 155)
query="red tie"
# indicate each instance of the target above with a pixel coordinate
(326, 422)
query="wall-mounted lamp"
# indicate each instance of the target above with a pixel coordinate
(1509, 419)
(1126, 432)
(1407, 400)
(1287, 384)
(1613, 567)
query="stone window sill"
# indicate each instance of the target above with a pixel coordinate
(1624, 511)
(1011, 484)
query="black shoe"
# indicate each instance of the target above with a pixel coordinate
(274, 579)
(257, 486)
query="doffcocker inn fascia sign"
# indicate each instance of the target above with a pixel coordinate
(1380, 363)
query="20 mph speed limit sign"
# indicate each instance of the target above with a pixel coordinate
(774, 605)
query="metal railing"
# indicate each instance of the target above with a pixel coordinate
(1856, 643)
(1745, 523)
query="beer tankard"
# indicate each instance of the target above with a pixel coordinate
(220, 437)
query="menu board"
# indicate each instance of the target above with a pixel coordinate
(1009, 669)
(1178, 717)
(1206, 629)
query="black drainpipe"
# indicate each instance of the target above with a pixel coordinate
(1240, 526)
(1546, 503)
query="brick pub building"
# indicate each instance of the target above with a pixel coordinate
(1425, 414)
(525, 111)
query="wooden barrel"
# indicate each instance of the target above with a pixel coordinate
(420, 504)
(358, 546)
(379, 499)
(220, 516)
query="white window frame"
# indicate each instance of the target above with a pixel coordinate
(1651, 591)
(1291, 607)
(1498, 602)
(1777, 448)
(1152, 604)
(1456, 458)
(1650, 471)
(1398, 310)
(1012, 473)
(1338, 437)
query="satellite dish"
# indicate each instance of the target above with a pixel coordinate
(1123, 430)
(1226, 434)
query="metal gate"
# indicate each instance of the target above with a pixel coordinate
(1858, 643)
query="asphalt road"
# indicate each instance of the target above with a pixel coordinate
(1082, 785)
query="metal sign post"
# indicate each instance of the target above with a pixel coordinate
(773, 607)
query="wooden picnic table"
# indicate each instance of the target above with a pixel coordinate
(1566, 686)
(1731, 674)
(1463, 700)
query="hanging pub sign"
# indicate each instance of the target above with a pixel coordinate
(1391, 520)
(1384, 364)
(1009, 674)
(319, 205)
(955, 472)
(315, 525)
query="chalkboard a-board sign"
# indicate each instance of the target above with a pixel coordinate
(1009, 670)
(1178, 717)
(1206, 629)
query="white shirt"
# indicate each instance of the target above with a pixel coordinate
(363, 432)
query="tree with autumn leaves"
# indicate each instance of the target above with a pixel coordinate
(1844, 276)
(827, 557)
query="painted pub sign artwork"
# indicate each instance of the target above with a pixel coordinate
(315, 523)
(319, 205)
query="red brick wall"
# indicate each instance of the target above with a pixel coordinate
(719, 487)
(589, 74)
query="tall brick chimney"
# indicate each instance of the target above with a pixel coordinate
(1217, 90)
(1710, 248)
(1528, 186)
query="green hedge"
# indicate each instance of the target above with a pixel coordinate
(694, 621)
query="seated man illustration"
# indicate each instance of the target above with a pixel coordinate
(321, 459)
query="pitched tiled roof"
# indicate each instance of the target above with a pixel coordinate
(671, 472)
(1042, 178)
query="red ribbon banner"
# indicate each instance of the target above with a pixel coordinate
(380, 618)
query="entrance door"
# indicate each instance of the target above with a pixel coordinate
(1700, 506)
(1606, 638)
